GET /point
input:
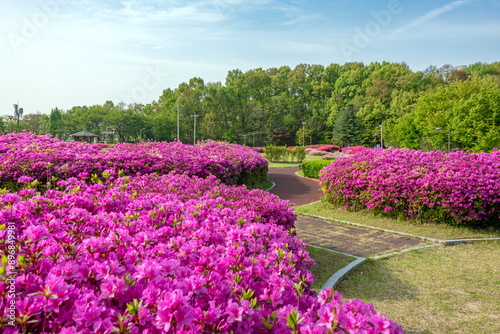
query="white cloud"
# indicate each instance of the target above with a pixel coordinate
(429, 16)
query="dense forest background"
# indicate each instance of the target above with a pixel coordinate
(348, 104)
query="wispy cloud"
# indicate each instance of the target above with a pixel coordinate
(429, 16)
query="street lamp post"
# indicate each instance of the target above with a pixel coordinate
(194, 116)
(253, 143)
(245, 138)
(10, 123)
(449, 144)
(178, 105)
(140, 132)
(303, 133)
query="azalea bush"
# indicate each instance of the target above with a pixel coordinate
(354, 149)
(161, 254)
(258, 149)
(455, 188)
(45, 158)
(316, 152)
(320, 149)
(328, 148)
(335, 155)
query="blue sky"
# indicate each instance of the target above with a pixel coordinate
(83, 52)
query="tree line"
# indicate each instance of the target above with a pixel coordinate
(350, 104)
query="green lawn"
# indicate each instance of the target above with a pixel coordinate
(326, 264)
(436, 231)
(262, 186)
(291, 164)
(454, 289)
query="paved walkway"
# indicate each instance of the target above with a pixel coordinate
(359, 241)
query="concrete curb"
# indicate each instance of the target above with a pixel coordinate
(274, 185)
(342, 273)
(305, 177)
(401, 251)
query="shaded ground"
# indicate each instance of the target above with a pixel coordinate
(343, 238)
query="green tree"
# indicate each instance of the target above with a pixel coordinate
(55, 121)
(346, 128)
(470, 109)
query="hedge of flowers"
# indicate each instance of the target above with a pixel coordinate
(320, 149)
(161, 254)
(258, 149)
(335, 155)
(455, 188)
(44, 157)
(354, 149)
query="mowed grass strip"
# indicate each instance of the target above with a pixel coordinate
(267, 184)
(443, 289)
(291, 164)
(430, 230)
(326, 264)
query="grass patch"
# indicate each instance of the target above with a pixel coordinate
(326, 264)
(454, 289)
(262, 186)
(436, 231)
(292, 164)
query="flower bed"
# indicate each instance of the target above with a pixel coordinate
(258, 149)
(320, 149)
(355, 149)
(454, 188)
(43, 157)
(162, 254)
(335, 155)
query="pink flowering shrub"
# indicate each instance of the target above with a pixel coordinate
(355, 149)
(313, 151)
(335, 155)
(320, 149)
(258, 149)
(162, 254)
(44, 157)
(454, 188)
(328, 148)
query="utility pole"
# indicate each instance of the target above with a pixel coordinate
(303, 133)
(194, 127)
(178, 105)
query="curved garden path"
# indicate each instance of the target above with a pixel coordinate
(352, 240)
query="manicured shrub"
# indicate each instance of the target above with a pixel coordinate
(284, 154)
(312, 168)
(161, 254)
(455, 188)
